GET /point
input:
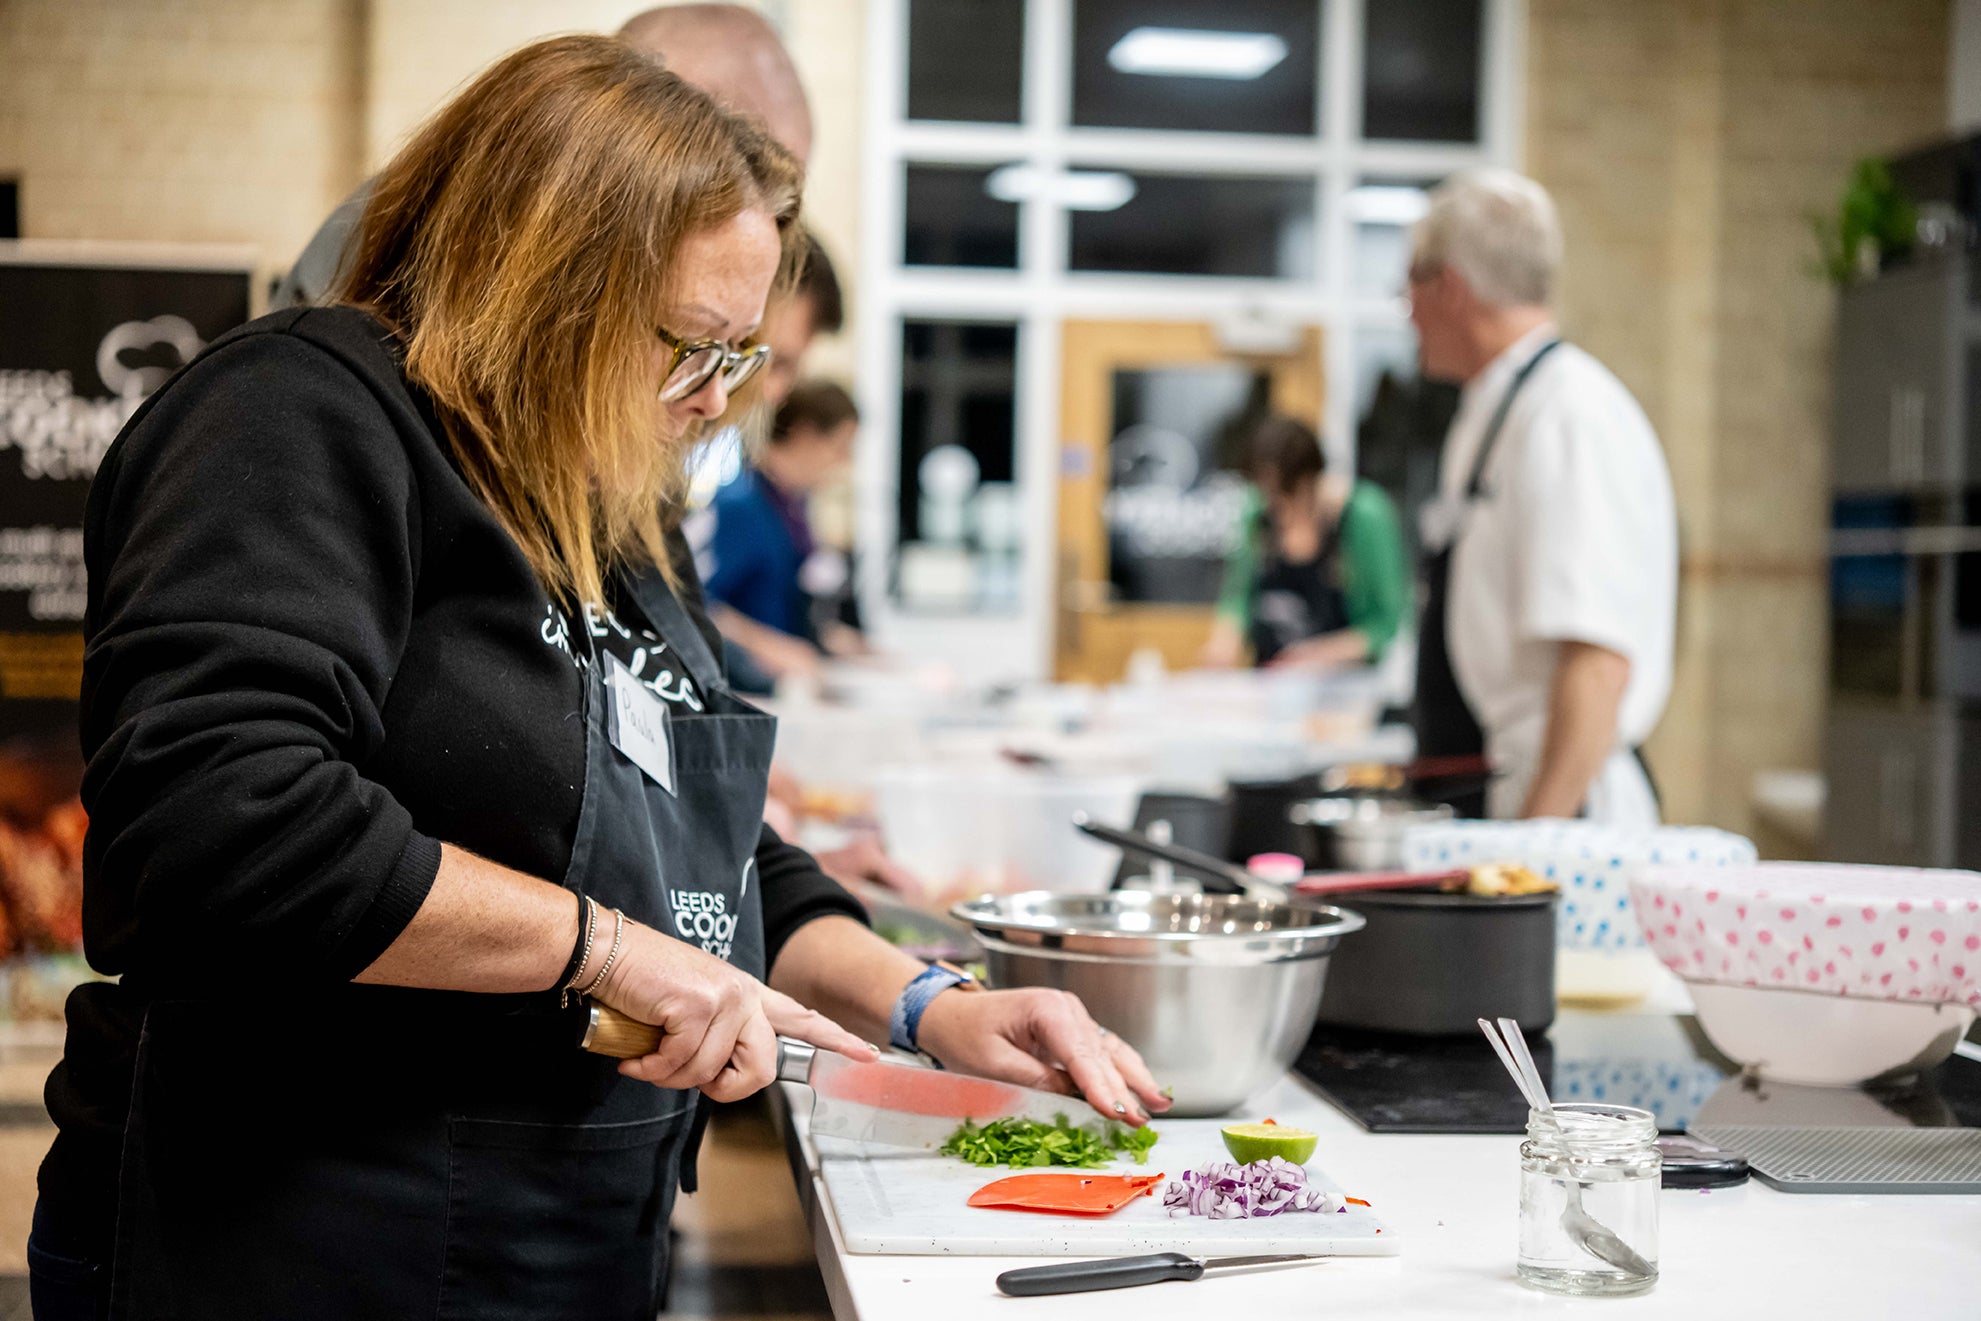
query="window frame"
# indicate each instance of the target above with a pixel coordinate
(1039, 294)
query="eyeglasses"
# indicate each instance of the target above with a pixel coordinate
(696, 362)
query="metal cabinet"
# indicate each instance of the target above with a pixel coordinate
(1899, 415)
(1896, 792)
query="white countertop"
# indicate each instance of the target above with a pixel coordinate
(1747, 1252)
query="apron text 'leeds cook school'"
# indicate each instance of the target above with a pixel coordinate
(386, 1152)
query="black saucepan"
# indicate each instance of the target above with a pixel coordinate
(1428, 963)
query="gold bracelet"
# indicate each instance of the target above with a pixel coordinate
(618, 934)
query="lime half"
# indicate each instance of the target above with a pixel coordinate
(1250, 1142)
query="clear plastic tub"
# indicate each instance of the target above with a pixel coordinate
(972, 829)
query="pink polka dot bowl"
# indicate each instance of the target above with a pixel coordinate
(1818, 973)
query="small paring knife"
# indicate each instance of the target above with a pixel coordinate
(1126, 1272)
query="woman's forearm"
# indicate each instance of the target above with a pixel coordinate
(778, 652)
(1347, 646)
(846, 972)
(483, 927)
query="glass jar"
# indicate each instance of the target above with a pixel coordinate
(1589, 1177)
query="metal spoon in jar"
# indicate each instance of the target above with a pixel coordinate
(1583, 1229)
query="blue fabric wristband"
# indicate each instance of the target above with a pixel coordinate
(905, 1022)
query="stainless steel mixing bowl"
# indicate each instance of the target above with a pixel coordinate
(1218, 992)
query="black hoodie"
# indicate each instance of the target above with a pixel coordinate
(312, 655)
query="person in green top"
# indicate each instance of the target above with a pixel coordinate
(1318, 579)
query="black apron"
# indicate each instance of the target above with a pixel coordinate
(1293, 602)
(1440, 715)
(380, 1152)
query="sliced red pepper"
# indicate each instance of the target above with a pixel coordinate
(1065, 1194)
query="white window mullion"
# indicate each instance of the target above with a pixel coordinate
(877, 466)
(1503, 82)
(1192, 153)
(1048, 113)
(1341, 72)
(962, 144)
(1041, 293)
(1341, 132)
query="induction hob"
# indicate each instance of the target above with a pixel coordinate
(1390, 1083)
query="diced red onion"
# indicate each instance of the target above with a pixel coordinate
(1224, 1190)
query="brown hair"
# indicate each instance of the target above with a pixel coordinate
(819, 285)
(819, 405)
(521, 247)
(1286, 450)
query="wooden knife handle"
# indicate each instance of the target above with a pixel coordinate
(609, 1032)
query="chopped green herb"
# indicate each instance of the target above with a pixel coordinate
(1028, 1144)
(1137, 1141)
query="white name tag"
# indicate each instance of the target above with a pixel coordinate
(636, 722)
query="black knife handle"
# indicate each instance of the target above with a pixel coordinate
(1107, 1273)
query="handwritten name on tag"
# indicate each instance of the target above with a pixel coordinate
(636, 722)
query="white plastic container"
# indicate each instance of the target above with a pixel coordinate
(969, 829)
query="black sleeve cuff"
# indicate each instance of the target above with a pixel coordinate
(392, 908)
(795, 891)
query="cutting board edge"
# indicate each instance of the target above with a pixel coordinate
(875, 1245)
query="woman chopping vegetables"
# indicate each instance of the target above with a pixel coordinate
(404, 728)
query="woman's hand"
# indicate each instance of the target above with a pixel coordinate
(785, 657)
(1226, 647)
(1330, 651)
(719, 1025)
(1040, 1038)
(862, 860)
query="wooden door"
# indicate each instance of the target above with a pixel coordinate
(1109, 609)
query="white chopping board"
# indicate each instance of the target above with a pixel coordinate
(892, 1201)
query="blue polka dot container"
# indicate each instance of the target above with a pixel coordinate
(1592, 864)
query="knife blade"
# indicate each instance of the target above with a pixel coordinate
(890, 1102)
(910, 1105)
(1126, 1272)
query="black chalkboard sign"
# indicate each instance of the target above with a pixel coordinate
(86, 332)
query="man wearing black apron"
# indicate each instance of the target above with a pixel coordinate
(1444, 723)
(1551, 568)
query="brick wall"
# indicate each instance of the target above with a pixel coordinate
(246, 121)
(1688, 142)
(185, 120)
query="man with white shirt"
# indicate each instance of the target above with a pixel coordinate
(1547, 636)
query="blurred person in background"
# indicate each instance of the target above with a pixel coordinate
(763, 568)
(365, 581)
(1318, 580)
(815, 306)
(1547, 635)
(727, 50)
(766, 642)
(734, 54)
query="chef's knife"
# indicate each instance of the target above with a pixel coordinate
(1124, 1272)
(897, 1104)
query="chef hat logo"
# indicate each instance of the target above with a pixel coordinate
(128, 361)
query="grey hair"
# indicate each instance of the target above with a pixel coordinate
(1496, 228)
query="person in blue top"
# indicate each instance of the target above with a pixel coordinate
(763, 567)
